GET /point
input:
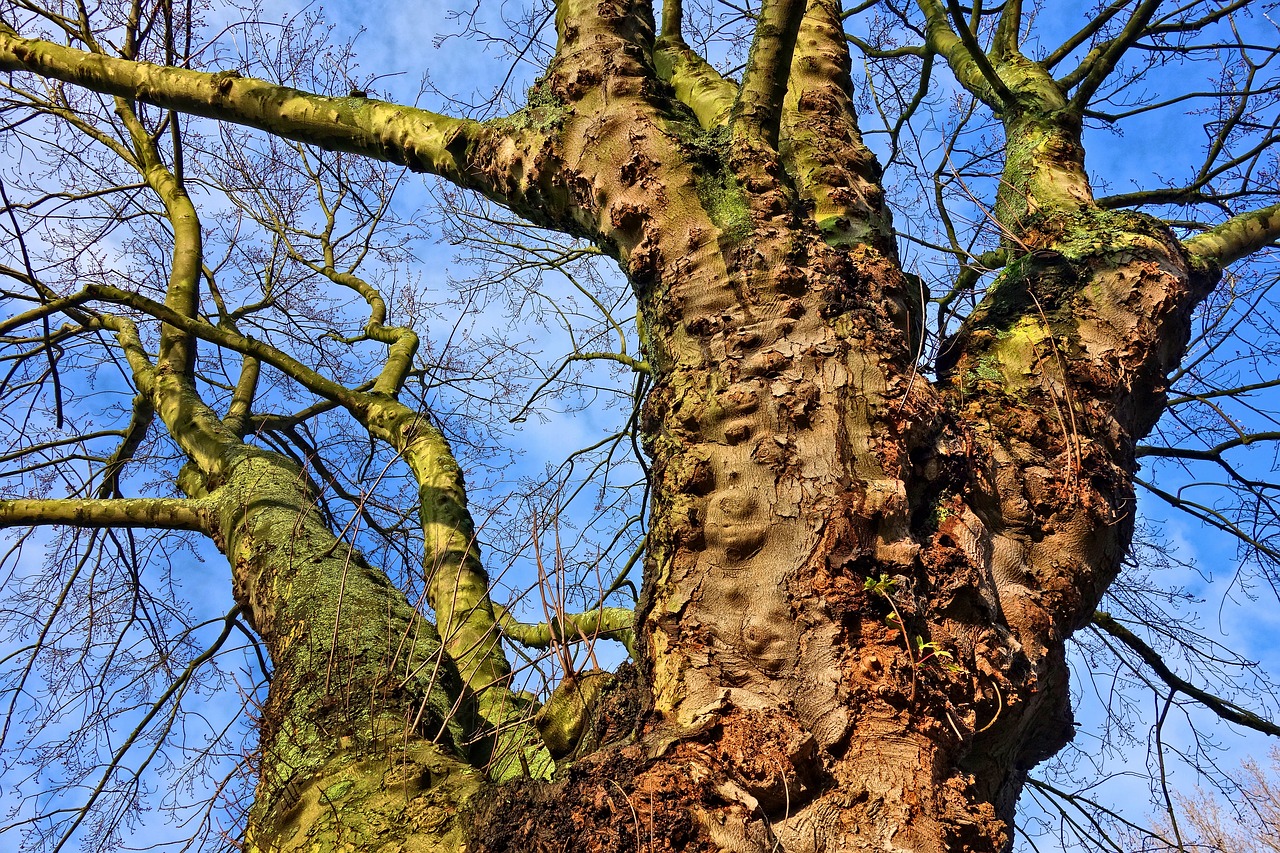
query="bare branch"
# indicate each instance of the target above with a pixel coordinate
(1228, 711)
(758, 111)
(156, 513)
(420, 139)
(608, 623)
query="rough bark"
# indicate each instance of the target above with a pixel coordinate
(809, 485)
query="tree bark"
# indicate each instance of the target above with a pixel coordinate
(860, 583)
(364, 733)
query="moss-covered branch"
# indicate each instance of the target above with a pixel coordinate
(843, 182)
(154, 513)
(193, 425)
(604, 623)
(420, 139)
(696, 83)
(1006, 41)
(182, 292)
(336, 627)
(963, 54)
(672, 19)
(758, 111)
(46, 309)
(458, 584)
(241, 407)
(1238, 237)
(449, 531)
(205, 330)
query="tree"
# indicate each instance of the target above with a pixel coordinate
(1203, 823)
(869, 534)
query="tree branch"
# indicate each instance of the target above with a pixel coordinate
(1098, 64)
(241, 406)
(201, 328)
(422, 140)
(1005, 43)
(963, 54)
(1212, 454)
(846, 191)
(1238, 237)
(764, 83)
(1096, 23)
(609, 623)
(40, 312)
(458, 581)
(154, 513)
(182, 293)
(141, 415)
(672, 19)
(1228, 711)
(696, 83)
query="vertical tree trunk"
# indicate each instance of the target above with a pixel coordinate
(860, 582)
(366, 724)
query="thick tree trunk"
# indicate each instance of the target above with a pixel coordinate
(366, 722)
(859, 582)
(791, 423)
(860, 587)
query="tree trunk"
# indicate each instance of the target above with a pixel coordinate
(859, 582)
(859, 586)
(362, 733)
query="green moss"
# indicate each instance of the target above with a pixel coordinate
(338, 790)
(725, 202)
(988, 369)
(563, 719)
(543, 111)
(718, 188)
(706, 148)
(1007, 298)
(1081, 242)
(1038, 284)
(843, 232)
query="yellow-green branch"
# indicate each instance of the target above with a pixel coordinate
(758, 111)
(964, 55)
(608, 623)
(1238, 237)
(420, 139)
(156, 513)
